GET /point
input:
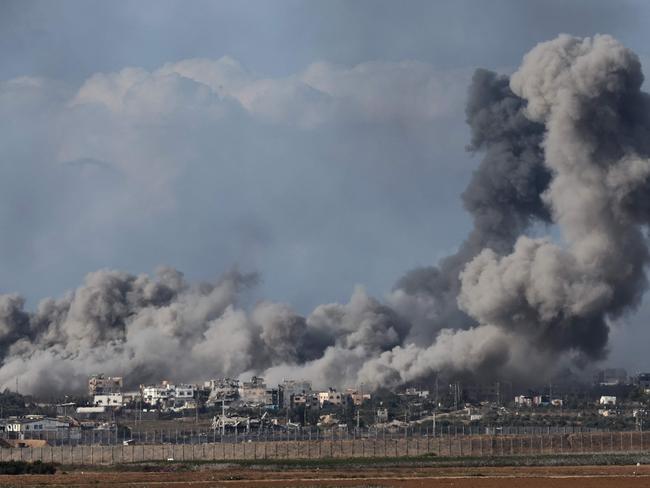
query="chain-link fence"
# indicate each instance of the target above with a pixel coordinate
(185, 445)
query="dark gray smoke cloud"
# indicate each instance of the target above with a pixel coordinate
(503, 197)
(543, 300)
(565, 142)
(587, 93)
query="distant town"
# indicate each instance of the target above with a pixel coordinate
(613, 400)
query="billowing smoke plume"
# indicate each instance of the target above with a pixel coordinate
(503, 197)
(565, 142)
(153, 328)
(587, 94)
(545, 300)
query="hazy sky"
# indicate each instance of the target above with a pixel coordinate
(319, 143)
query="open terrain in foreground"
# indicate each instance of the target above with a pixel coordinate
(399, 473)
(548, 477)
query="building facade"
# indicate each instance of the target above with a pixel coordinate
(100, 384)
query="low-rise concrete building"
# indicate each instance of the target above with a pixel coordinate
(222, 390)
(290, 388)
(607, 400)
(38, 426)
(113, 400)
(99, 384)
(330, 397)
(255, 392)
(524, 401)
(357, 397)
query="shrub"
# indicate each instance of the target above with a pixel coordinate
(22, 467)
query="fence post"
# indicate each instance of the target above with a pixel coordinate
(620, 436)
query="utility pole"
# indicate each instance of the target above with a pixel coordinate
(223, 416)
(436, 391)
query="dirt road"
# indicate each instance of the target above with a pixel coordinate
(507, 477)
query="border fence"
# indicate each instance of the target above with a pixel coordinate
(198, 446)
(189, 434)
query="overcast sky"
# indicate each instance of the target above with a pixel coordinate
(321, 144)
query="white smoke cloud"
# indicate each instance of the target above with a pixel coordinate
(407, 92)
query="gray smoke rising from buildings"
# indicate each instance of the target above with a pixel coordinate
(565, 143)
(150, 328)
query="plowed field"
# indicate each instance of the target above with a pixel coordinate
(528, 477)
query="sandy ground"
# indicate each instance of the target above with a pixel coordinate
(533, 477)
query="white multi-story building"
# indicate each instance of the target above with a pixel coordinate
(168, 395)
(155, 394)
(184, 392)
